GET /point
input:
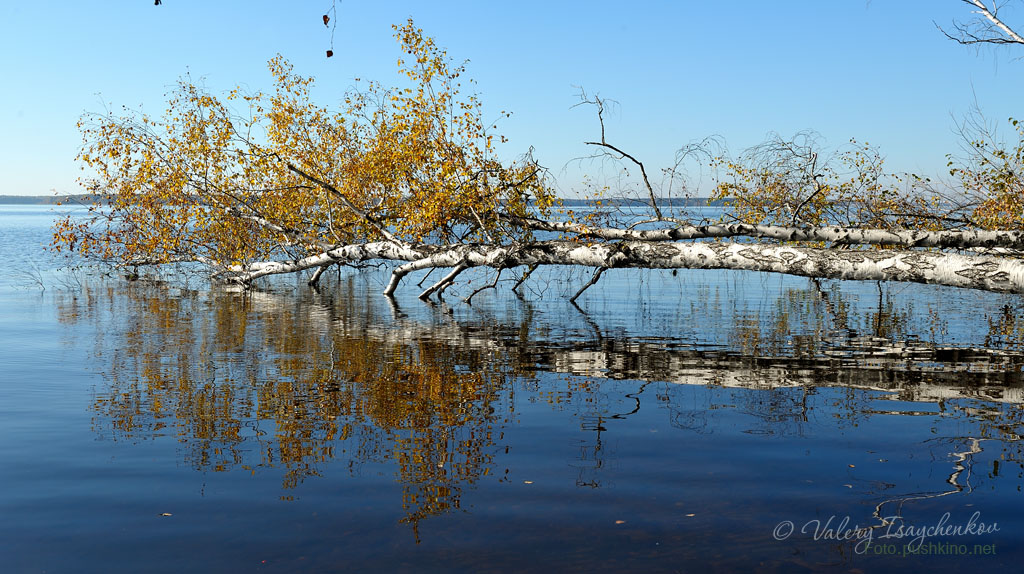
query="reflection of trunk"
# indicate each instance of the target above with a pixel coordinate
(916, 369)
(916, 372)
(977, 272)
(919, 370)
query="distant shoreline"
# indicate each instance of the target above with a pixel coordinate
(82, 198)
(39, 199)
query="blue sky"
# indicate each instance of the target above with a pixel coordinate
(875, 70)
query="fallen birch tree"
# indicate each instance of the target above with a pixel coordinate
(258, 184)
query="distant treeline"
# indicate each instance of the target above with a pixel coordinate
(665, 201)
(42, 199)
(613, 202)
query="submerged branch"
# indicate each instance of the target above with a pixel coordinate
(443, 283)
(593, 280)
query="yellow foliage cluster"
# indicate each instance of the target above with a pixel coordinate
(994, 174)
(792, 183)
(210, 180)
(787, 183)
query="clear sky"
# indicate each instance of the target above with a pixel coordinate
(876, 70)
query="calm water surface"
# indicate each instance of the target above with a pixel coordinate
(697, 422)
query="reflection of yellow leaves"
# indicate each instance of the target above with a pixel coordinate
(424, 406)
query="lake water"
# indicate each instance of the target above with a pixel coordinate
(696, 422)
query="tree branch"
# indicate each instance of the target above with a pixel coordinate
(818, 187)
(593, 280)
(523, 278)
(599, 103)
(990, 15)
(994, 31)
(643, 172)
(492, 285)
(838, 235)
(444, 282)
(344, 200)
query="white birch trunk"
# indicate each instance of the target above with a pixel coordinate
(967, 271)
(838, 235)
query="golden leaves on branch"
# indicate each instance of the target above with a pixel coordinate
(784, 182)
(994, 171)
(209, 179)
(797, 182)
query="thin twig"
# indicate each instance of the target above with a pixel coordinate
(818, 187)
(643, 172)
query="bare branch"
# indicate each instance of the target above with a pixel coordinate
(444, 282)
(523, 278)
(599, 103)
(643, 173)
(492, 285)
(818, 187)
(989, 29)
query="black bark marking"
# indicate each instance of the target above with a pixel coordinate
(979, 271)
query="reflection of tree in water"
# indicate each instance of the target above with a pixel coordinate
(1001, 426)
(598, 409)
(249, 381)
(244, 383)
(1006, 326)
(808, 340)
(803, 323)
